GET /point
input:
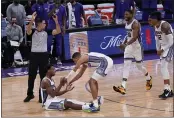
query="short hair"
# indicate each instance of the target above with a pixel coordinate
(48, 67)
(37, 21)
(75, 55)
(130, 11)
(156, 15)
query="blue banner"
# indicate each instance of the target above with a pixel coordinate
(106, 41)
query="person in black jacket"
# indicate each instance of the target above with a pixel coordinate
(28, 7)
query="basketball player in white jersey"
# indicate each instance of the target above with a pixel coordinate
(164, 46)
(132, 50)
(81, 61)
(50, 94)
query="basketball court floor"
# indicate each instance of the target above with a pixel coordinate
(137, 101)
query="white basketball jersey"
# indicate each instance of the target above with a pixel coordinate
(129, 30)
(96, 58)
(44, 94)
(161, 36)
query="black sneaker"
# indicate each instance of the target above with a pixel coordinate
(166, 94)
(28, 98)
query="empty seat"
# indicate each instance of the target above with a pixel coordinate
(108, 13)
(159, 7)
(88, 7)
(105, 6)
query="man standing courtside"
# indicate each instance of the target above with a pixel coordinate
(39, 54)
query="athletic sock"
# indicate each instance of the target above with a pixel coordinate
(85, 106)
(167, 86)
(95, 103)
(124, 81)
(148, 76)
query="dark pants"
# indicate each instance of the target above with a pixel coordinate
(37, 60)
(59, 43)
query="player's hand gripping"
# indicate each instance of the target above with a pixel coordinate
(69, 87)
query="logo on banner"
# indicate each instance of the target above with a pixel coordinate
(113, 41)
(78, 42)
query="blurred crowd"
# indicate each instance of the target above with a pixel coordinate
(71, 14)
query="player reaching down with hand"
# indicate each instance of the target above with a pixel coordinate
(81, 61)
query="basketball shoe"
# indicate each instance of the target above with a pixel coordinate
(166, 94)
(149, 84)
(120, 89)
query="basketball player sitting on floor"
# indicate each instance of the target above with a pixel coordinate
(50, 93)
(81, 61)
(132, 50)
(164, 46)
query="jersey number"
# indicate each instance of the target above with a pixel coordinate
(159, 37)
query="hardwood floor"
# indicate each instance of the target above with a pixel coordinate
(137, 101)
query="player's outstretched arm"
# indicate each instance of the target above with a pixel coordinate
(81, 72)
(80, 62)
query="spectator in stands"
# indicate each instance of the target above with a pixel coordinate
(14, 33)
(60, 11)
(168, 4)
(75, 13)
(120, 7)
(148, 6)
(18, 11)
(28, 8)
(41, 9)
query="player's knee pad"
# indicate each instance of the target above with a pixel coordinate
(164, 69)
(141, 67)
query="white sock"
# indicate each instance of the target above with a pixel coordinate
(166, 86)
(85, 106)
(124, 81)
(95, 103)
(148, 77)
(169, 88)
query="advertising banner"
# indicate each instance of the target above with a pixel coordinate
(105, 41)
